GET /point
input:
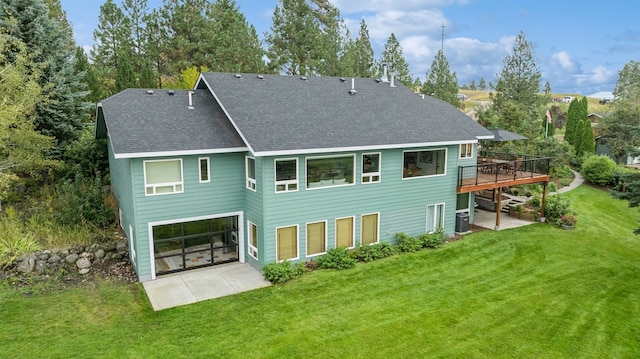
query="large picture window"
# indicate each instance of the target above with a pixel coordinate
(163, 177)
(330, 171)
(370, 167)
(251, 172)
(286, 174)
(424, 163)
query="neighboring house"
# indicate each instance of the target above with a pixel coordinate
(258, 169)
(602, 148)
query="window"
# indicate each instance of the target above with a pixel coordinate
(253, 240)
(370, 230)
(286, 174)
(435, 217)
(462, 202)
(466, 150)
(203, 169)
(370, 167)
(287, 243)
(316, 238)
(163, 177)
(344, 232)
(424, 163)
(330, 171)
(251, 172)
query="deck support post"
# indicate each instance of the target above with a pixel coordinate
(498, 207)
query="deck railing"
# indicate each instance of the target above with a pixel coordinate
(494, 167)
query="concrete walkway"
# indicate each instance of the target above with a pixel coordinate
(192, 286)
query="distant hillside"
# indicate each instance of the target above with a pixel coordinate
(475, 96)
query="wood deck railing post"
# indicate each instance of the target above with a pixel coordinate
(498, 208)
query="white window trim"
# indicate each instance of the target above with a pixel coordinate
(306, 167)
(377, 229)
(446, 157)
(250, 183)
(441, 224)
(353, 235)
(370, 175)
(156, 185)
(132, 247)
(251, 248)
(306, 239)
(285, 183)
(463, 153)
(297, 243)
(200, 159)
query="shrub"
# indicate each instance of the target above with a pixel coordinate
(552, 187)
(15, 238)
(431, 240)
(281, 272)
(336, 258)
(82, 200)
(408, 244)
(556, 207)
(368, 253)
(598, 170)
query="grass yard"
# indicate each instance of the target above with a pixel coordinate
(532, 292)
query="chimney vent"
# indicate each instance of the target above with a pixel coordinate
(261, 77)
(304, 78)
(191, 100)
(393, 79)
(385, 69)
(149, 92)
(171, 92)
(343, 79)
(238, 76)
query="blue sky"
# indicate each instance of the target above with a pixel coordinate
(579, 45)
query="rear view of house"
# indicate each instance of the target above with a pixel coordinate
(263, 168)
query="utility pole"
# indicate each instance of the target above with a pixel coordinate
(442, 42)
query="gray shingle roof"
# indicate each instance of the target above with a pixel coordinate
(140, 123)
(288, 114)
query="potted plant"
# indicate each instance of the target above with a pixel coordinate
(567, 221)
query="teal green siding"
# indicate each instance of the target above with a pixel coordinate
(401, 203)
(223, 194)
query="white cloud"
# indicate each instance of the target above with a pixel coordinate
(403, 23)
(601, 75)
(563, 59)
(372, 6)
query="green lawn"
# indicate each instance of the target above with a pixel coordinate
(532, 292)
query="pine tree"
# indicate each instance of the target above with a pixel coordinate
(358, 57)
(83, 67)
(441, 83)
(583, 137)
(573, 121)
(59, 114)
(155, 37)
(472, 85)
(185, 29)
(482, 84)
(392, 56)
(232, 44)
(112, 42)
(295, 42)
(519, 80)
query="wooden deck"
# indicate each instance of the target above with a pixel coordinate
(502, 173)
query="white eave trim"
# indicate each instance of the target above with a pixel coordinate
(487, 137)
(360, 148)
(179, 153)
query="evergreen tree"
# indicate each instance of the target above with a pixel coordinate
(59, 112)
(441, 83)
(628, 83)
(585, 143)
(155, 37)
(233, 44)
(517, 91)
(392, 56)
(358, 57)
(125, 78)
(112, 43)
(83, 67)
(573, 121)
(136, 11)
(630, 191)
(472, 85)
(295, 42)
(185, 34)
(482, 84)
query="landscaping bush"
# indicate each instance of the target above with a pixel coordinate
(556, 207)
(431, 240)
(336, 258)
(598, 170)
(368, 253)
(407, 243)
(281, 272)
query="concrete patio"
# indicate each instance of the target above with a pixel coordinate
(487, 219)
(192, 286)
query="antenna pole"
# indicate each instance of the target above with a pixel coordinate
(442, 42)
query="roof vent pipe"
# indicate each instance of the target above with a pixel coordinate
(353, 87)
(384, 72)
(191, 100)
(393, 78)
